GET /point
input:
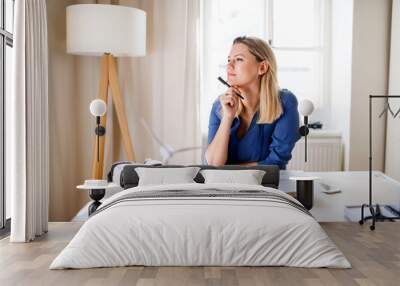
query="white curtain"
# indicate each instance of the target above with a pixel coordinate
(163, 87)
(27, 143)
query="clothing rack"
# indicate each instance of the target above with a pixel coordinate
(376, 214)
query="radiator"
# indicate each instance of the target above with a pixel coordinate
(324, 153)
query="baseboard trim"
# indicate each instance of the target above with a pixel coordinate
(5, 231)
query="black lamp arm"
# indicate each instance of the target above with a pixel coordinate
(303, 130)
(100, 131)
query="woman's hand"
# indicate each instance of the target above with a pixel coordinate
(248, 164)
(229, 102)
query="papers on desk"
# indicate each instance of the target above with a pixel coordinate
(329, 190)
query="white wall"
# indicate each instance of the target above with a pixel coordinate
(360, 42)
(360, 39)
(70, 123)
(392, 163)
(370, 54)
(341, 55)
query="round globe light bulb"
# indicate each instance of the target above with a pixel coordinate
(98, 107)
(306, 107)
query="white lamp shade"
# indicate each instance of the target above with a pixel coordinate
(95, 29)
(306, 107)
(98, 107)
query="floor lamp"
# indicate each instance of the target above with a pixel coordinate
(107, 31)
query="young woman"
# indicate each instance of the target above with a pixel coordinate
(263, 127)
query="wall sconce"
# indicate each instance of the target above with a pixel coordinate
(306, 107)
(98, 108)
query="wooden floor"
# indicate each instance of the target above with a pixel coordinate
(375, 257)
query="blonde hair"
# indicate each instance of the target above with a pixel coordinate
(270, 104)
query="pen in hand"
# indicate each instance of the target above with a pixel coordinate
(228, 85)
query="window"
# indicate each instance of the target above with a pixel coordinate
(6, 44)
(296, 30)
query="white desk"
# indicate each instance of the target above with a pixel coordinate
(354, 191)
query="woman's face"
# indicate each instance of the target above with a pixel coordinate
(243, 67)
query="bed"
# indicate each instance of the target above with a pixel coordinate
(201, 224)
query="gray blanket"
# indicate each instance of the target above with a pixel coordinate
(207, 193)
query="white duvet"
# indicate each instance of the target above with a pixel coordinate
(200, 231)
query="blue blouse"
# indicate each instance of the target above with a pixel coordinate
(267, 144)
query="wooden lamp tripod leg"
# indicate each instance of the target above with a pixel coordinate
(119, 107)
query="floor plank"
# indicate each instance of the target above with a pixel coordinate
(374, 255)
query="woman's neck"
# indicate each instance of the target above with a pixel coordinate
(251, 93)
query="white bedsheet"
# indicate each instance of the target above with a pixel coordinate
(200, 231)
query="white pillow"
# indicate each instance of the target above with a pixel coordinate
(248, 177)
(116, 178)
(163, 176)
